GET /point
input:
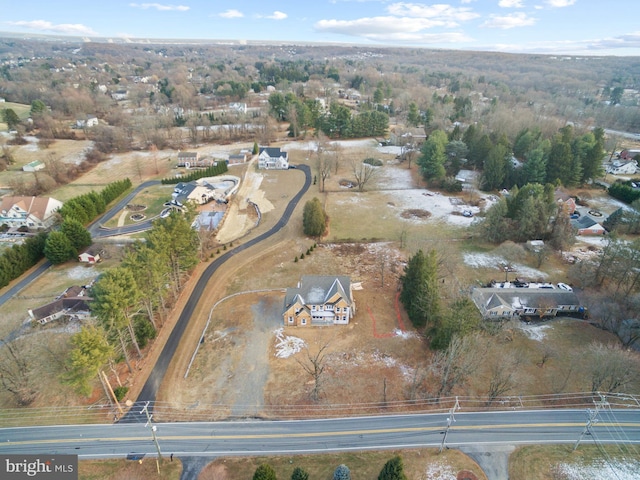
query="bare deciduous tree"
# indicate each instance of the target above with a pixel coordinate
(323, 160)
(15, 375)
(453, 366)
(314, 365)
(363, 173)
(611, 368)
(502, 372)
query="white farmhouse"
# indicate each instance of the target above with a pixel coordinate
(273, 159)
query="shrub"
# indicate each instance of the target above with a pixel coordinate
(120, 392)
(342, 473)
(450, 184)
(144, 331)
(374, 162)
(264, 472)
(299, 474)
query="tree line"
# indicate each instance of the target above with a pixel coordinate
(218, 169)
(567, 158)
(132, 301)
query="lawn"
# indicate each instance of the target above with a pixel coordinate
(115, 469)
(21, 110)
(587, 462)
(418, 465)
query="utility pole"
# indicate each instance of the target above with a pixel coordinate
(153, 433)
(451, 418)
(591, 419)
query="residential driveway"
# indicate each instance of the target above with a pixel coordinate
(493, 459)
(246, 386)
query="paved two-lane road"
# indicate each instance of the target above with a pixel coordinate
(313, 436)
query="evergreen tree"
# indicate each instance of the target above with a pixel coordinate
(177, 243)
(592, 160)
(460, 319)
(420, 289)
(38, 107)
(433, 156)
(299, 474)
(456, 152)
(58, 248)
(10, 117)
(497, 227)
(342, 472)
(413, 117)
(313, 218)
(115, 302)
(393, 470)
(265, 472)
(76, 233)
(560, 163)
(494, 172)
(91, 351)
(535, 168)
(479, 152)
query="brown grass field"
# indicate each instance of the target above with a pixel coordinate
(364, 365)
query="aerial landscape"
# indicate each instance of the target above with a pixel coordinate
(351, 239)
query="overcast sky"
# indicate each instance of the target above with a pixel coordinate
(580, 27)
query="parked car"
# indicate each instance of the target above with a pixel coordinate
(564, 286)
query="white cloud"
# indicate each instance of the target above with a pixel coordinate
(277, 15)
(510, 4)
(509, 21)
(420, 38)
(66, 28)
(560, 3)
(231, 13)
(392, 29)
(159, 6)
(444, 13)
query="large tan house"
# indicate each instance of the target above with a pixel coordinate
(319, 300)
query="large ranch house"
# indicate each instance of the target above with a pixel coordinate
(500, 303)
(319, 300)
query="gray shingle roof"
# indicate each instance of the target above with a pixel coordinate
(317, 289)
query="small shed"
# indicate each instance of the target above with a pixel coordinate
(91, 256)
(34, 166)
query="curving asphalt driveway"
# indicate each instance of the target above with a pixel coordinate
(150, 388)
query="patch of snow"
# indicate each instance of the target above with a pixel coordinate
(286, 345)
(408, 196)
(600, 469)
(405, 334)
(489, 260)
(391, 149)
(312, 146)
(439, 471)
(81, 272)
(535, 332)
(598, 241)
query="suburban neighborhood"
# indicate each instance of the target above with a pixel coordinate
(216, 233)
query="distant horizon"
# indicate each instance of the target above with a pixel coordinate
(242, 42)
(544, 27)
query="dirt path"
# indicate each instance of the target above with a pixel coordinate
(245, 389)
